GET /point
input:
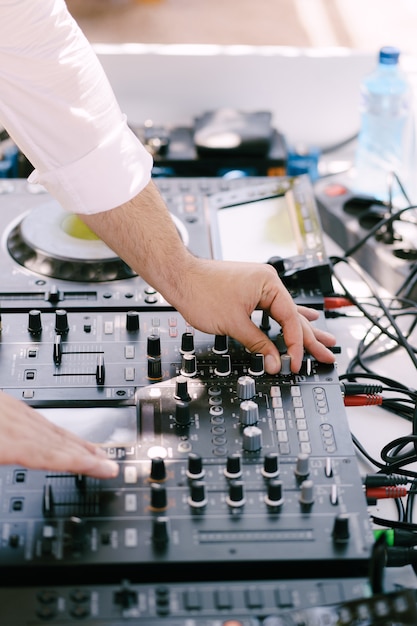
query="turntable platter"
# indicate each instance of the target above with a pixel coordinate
(52, 242)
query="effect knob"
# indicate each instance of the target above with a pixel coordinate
(245, 387)
(223, 365)
(220, 344)
(61, 322)
(274, 496)
(187, 343)
(154, 346)
(252, 439)
(195, 466)
(181, 389)
(248, 413)
(197, 497)
(160, 531)
(132, 321)
(35, 322)
(236, 497)
(341, 533)
(307, 492)
(233, 466)
(256, 367)
(154, 369)
(159, 499)
(182, 413)
(271, 465)
(189, 365)
(302, 467)
(285, 365)
(158, 469)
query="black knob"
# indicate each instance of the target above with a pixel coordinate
(154, 369)
(182, 413)
(274, 496)
(233, 466)
(61, 322)
(154, 346)
(187, 343)
(220, 344)
(126, 598)
(197, 497)
(236, 496)
(158, 469)
(158, 496)
(195, 466)
(223, 365)
(271, 465)
(256, 367)
(132, 321)
(181, 389)
(35, 322)
(341, 532)
(160, 531)
(265, 324)
(189, 365)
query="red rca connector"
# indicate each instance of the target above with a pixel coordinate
(363, 400)
(336, 302)
(394, 491)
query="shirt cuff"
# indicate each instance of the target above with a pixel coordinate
(83, 186)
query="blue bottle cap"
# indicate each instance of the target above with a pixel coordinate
(388, 55)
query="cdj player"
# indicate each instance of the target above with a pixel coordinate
(239, 499)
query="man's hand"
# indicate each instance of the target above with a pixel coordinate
(219, 298)
(29, 439)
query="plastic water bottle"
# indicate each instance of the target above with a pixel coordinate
(386, 136)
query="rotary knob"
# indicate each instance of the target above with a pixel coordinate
(182, 413)
(307, 492)
(220, 344)
(35, 322)
(158, 469)
(181, 389)
(256, 367)
(245, 388)
(189, 365)
(158, 497)
(61, 322)
(160, 531)
(154, 346)
(223, 365)
(198, 497)
(302, 467)
(132, 321)
(195, 466)
(274, 496)
(271, 465)
(187, 343)
(252, 439)
(236, 496)
(248, 413)
(154, 369)
(285, 365)
(233, 466)
(341, 533)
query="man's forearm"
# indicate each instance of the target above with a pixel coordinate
(143, 234)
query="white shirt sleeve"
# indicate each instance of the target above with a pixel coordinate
(59, 108)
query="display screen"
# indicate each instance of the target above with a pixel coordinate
(104, 425)
(258, 230)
